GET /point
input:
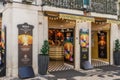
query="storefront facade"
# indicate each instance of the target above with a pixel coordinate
(15, 14)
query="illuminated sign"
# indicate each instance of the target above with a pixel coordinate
(25, 40)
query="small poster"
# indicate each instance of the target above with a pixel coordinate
(68, 46)
(25, 40)
(102, 44)
(3, 51)
(65, 38)
(84, 44)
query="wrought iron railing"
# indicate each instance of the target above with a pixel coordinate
(104, 6)
(99, 6)
(69, 4)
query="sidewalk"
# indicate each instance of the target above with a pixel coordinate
(102, 73)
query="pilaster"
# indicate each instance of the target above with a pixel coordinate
(14, 14)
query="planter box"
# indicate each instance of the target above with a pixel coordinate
(43, 61)
(116, 58)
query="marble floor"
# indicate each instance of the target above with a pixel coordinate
(59, 66)
(101, 73)
(98, 63)
(58, 70)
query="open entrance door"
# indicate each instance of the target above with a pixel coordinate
(2, 50)
(61, 41)
(100, 54)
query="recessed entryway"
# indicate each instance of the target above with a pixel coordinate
(61, 41)
(100, 43)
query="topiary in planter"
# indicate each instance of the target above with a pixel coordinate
(117, 45)
(43, 59)
(116, 55)
(45, 48)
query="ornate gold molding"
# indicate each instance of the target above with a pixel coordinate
(74, 17)
(83, 18)
(113, 21)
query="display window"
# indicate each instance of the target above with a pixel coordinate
(64, 38)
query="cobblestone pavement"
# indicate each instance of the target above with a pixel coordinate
(101, 73)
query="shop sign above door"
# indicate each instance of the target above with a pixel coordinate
(74, 17)
(113, 21)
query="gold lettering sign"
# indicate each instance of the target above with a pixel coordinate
(73, 17)
(113, 21)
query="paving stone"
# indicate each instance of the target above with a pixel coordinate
(101, 73)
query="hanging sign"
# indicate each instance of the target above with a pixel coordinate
(84, 44)
(102, 44)
(25, 40)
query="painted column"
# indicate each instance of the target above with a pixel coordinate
(13, 15)
(6, 21)
(80, 25)
(89, 26)
(77, 47)
(114, 35)
(45, 25)
(40, 30)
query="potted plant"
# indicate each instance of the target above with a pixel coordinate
(116, 54)
(43, 58)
